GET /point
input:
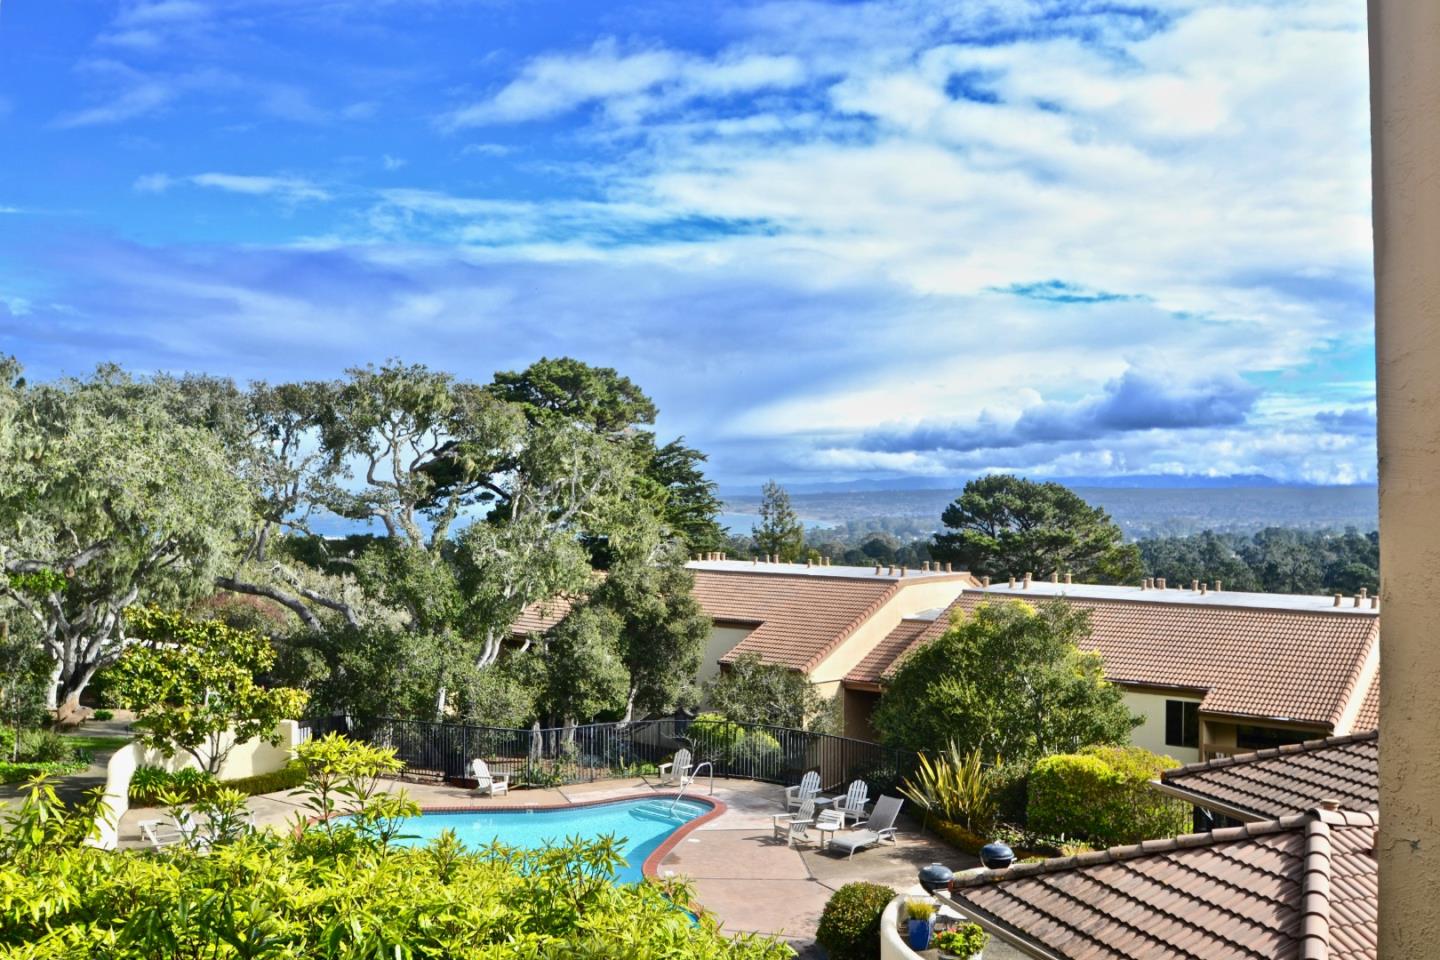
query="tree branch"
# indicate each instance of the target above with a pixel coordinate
(294, 604)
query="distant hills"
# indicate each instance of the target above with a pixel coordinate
(1144, 481)
(1142, 506)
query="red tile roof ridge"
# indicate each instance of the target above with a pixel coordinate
(1269, 753)
(852, 626)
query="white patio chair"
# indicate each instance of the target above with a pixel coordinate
(806, 789)
(677, 771)
(167, 833)
(790, 826)
(880, 826)
(852, 805)
(487, 782)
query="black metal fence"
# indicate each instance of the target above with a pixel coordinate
(558, 755)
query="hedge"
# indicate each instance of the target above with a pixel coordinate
(288, 777)
(850, 924)
(1102, 795)
(20, 772)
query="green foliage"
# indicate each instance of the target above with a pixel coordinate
(752, 691)
(40, 828)
(154, 786)
(954, 786)
(1002, 525)
(108, 496)
(1103, 795)
(341, 891)
(780, 534)
(103, 714)
(691, 502)
(1274, 560)
(1011, 681)
(963, 942)
(584, 672)
(25, 770)
(916, 909)
(46, 746)
(565, 389)
(192, 682)
(850, 923)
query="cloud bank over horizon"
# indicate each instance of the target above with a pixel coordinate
(833, 240)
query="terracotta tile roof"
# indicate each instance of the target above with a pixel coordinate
(1251, 661)
(1287, 780)
(799, 618)
(1301, 886)
(908, 635)
(538, 617)
(1369, 716)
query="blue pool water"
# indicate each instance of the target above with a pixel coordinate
(640, 826)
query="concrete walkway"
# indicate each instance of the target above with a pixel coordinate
(750, 881)
(72, 788)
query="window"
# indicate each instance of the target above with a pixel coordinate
(1262, 738)
(1182, 723)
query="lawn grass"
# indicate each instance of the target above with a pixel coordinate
(93, 743)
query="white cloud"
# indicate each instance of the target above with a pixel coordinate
(153, 183)
(629, 83)
(285, 188)
(392, 163)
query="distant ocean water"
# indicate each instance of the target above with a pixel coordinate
(742, 523)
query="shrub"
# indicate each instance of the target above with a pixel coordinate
(45, 746)
(152, 786)
(286, 778)
(7, 742)
(1102, 795)
(850, 924)
(714, 737)
(955, 787)
(103, 714)
(965, 941)
(1011, 782)
(20, 772)
(758, 748)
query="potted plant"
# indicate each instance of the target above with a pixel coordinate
(965, 942)
(919, 913)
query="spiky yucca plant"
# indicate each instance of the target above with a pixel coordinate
(954, 786)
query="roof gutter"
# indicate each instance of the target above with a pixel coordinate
(1214, 806)
(998, 928)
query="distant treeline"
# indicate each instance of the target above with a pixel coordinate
(1273, 560)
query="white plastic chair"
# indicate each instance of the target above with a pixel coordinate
(806, 789)
(790, 826)
(677, 770)
(487, 782)
(852, 805)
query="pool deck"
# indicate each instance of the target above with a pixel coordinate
(750, 881)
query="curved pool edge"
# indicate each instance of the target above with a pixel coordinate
(650, 867)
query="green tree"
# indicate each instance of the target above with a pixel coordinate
(1010, 680)
(1002, 525)
(779, 533)
(585, 674)
(691, 503)
(572, 391)
(106, 499)
(193, 684)
(749, 690)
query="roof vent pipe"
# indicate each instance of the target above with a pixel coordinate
(1204, 588)
(1329, 804)
(1144, 584)
(1027, 579)
(1217, 585)
(807, 563)
(1375, 602)
(877, 569)
(1364, 593)
(1194, 585)
(1160, 583)
(1357, 599)
(1055, 576)
(890, 571)
(904, 570)
(925, 567)
(947, 567)
(985, 582)
(1338, 598)
(1012, 583)
(1069, 578)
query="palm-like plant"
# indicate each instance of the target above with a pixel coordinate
(954, 786)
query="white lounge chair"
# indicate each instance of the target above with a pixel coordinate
(167, 833)
(880, 826)
(789, 826)
(678, 770)
(807, 789)
(487, 782)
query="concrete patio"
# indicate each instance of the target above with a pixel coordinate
(750, 881)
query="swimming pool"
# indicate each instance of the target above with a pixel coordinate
(644, 824)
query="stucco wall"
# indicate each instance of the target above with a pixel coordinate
(912, 598)
(247, 759)
(721, 641)
(1151, 734)
(1405, 142)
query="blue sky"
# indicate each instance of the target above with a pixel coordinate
(833, 240)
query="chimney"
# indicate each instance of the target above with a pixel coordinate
(1329, 804)
(1204, 588)
(1027, 580)
(925, 567)
(1055, 576)
(1375, 602)
(1069, 578)
(1357, 599)
(1337, 599)
(1194, 585)
(904, 570)
(754, 561)
(1160, 583)
(1145, 584)
(1217, 586)
(1012, 583)
(877, 569)
(807, 563)
(947, 567)
(890, 571)
(985, 582)
(1364, 593)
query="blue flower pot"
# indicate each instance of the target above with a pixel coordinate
(920, 931)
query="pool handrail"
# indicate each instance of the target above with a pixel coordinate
(694, 775)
